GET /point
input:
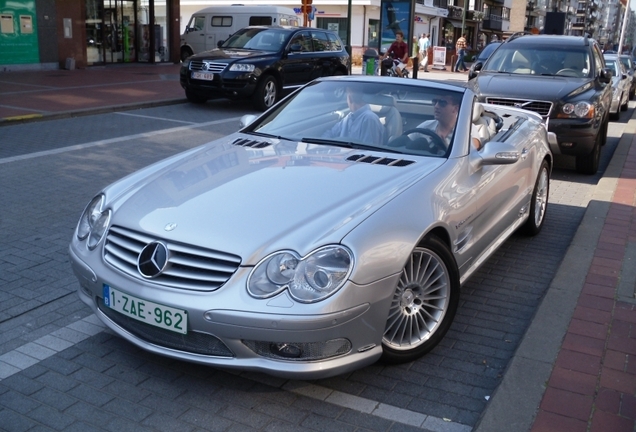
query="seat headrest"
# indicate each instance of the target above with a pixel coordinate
(478, 111)
(380, 99)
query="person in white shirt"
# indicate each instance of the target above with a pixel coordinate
(424, 43)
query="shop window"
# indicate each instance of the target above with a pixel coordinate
(221, 21)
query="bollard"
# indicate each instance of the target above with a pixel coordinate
(416, 66)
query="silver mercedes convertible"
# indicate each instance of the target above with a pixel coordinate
(332, 231)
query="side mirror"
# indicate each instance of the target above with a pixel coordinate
(295, 47)
(219, 43)
(247, 119)
(605, 76)
(474, 70)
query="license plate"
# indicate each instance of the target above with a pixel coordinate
(203, 76)
(152, 313)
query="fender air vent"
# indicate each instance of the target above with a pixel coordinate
(251, 143)
(376, 160)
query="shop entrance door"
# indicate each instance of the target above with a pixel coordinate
(110, 31)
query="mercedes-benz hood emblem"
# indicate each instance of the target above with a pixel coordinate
(153, 259)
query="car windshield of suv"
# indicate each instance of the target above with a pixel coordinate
(256, 39)
(378, 116)
(540, 60)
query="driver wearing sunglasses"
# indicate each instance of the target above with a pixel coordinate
(445, 112)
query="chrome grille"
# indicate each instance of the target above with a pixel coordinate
(206, 66)
(542, 108)
(189, 267)
(192, 342)
(379, 160)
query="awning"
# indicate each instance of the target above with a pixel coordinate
(455, 23)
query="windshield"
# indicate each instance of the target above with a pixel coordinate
(627, 62)
(257, 39)
(540, 60)
(611, 65)
(367, 115)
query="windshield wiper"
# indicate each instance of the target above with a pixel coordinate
(266, 135)
(348, 144)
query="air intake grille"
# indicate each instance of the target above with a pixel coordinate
(251, 143)
(377, 160)
(192, 342)
(540, 107)
(204, 66)
(189, 267)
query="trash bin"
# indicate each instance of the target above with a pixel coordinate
(370, 62)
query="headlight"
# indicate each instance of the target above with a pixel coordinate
(309, 279)
(580, 109)
(242, 67)
(93, 222)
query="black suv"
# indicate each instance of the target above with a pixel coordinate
(262, 61)
(564, 79)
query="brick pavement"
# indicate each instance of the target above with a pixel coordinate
(593, 383)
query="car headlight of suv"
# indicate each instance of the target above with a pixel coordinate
(242, 67)
(93, 222)
(577, 110)
(310, 279)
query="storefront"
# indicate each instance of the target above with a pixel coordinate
(123, 31)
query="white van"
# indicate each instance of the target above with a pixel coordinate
(216, 23)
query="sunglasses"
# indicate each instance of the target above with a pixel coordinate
(440, 102)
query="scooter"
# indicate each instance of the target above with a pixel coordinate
(389, 66)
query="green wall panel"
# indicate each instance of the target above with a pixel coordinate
(18, 32)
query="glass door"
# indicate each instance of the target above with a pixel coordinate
(153, 38)
(110, 31)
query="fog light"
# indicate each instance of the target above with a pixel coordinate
(285, 350)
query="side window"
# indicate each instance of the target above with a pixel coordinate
(221, 21)
(302, 39)
(260, 20)
(197, 23)
(334, 42)
(321, 43)
(599, 61)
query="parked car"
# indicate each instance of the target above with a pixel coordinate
(481, 58)
(276, 249)
(259, 62)
(562, 78)
(629, 66)
(621, 85)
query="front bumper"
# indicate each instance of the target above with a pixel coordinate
(575, 137)
(226, 84)
(226, 325)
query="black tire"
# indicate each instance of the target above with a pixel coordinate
(539, 202)
(624, 106)
(266, 94)
(195, 98)
(588, 164)
(632, 93)
(416, 323)
(185, 53)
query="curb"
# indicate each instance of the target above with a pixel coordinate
(8, 121)
(516, 401)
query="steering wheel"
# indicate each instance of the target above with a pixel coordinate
(436, 144)
(568, 72)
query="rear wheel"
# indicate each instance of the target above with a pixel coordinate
(185, 53)
(624, 106)
(266, 93)
(588, 164)
(539, 202)
(424, 303)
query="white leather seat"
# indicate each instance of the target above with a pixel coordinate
(484, 127)
(384, 107)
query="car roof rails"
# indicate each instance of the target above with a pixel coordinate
(517, 35)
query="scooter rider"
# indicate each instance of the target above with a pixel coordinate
(400, 51)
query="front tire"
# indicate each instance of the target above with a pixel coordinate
(195, 98)
(266, 94)
(588, 164)
(424, 303)
(539, 203)
(185, 53)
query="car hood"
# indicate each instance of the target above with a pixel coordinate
(219, 54)
(252, 201)
(535, 87)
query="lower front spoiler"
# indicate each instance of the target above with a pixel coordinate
(247, 360)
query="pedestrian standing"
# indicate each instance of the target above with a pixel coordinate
(424, 43)
(460, 47)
